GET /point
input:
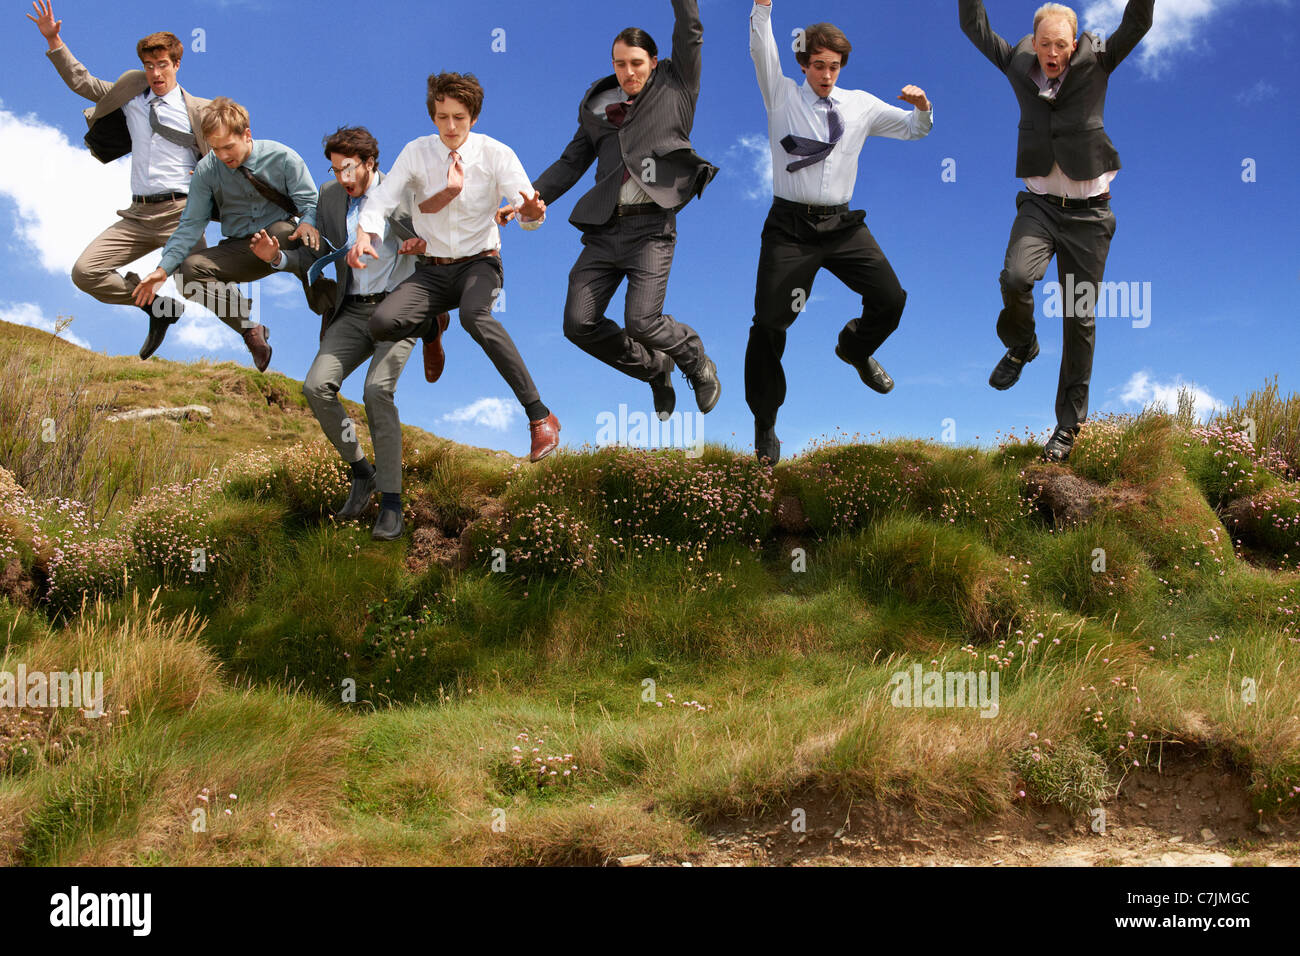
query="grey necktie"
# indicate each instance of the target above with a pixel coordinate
(169, 133)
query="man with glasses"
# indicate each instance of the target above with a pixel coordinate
(144, 113)
(345, 307)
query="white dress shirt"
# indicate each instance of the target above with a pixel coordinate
(466, 225)
(1056, 183)
(631, 193)
(158, 165)
(793, 109)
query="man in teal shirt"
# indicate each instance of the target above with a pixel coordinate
(251, 186)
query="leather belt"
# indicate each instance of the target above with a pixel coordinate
(158, 197)
(809, 208)
(374, 298)
(1066, 203)
(638, 209)
(441, 261)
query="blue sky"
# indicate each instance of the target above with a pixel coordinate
(1198, 98)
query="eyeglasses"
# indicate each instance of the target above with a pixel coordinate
(349, 170)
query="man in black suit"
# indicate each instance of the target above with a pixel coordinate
(635, 125)
(1068, 163)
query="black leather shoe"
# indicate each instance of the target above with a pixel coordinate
(1060, 445)
(706, 386)
(767, 447)
(662, 387)
(869, 370)
(390, 526)
(163, 311)
(358, 497)
(1007, 372)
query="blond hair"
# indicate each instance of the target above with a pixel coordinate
(224, 112)
(1056, 10)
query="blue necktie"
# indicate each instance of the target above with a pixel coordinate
(316, 268)
(814, 150)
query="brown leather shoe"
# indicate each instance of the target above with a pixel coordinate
(546, 436)
(255, 338)
(434, 357)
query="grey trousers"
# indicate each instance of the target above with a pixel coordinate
(473, 289)
(1080, 240)
(142, 228)
(347, 343)
(641, 249)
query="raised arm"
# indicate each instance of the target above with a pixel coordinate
(70, 69)
(895, 123)
(1132, 28)
(764, 52)
(975, 24)
(688, 43)
(564, 173)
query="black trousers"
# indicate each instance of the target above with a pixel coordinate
(473, 288)
(640, 249)
(1080, 240)
(796, 245)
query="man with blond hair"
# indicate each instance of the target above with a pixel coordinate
(1068, 164)
(147, 114)
(255, 186)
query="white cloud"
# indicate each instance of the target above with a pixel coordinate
(30, 314)
(494, 413)
(1262, 90)
(1141, 390)
(1176, 27)
(754, 154)
(64, 196)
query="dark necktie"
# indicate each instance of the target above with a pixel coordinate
(616, 113)
(169, 133)
(1053, 87)
(268, 192)
(316, 268)
(814, 150)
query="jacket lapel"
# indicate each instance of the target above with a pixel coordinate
(128, 86)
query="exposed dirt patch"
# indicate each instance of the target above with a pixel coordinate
(1187, 812)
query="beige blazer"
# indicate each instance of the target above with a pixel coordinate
(110, 97)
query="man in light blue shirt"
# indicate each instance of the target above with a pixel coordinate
(250, 186)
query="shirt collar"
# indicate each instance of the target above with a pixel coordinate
(172, 98)
(468, 149)
(810, 95)
(1040, 78)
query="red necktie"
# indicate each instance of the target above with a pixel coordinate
(616, 113)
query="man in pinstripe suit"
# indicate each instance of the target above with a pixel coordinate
(635, 125)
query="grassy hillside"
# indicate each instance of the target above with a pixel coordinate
(613, 651)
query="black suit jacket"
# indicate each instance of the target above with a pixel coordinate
(324, 297)
(1070, 129)
(654, 142)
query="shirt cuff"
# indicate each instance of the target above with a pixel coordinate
(281, 262)
(531, 224)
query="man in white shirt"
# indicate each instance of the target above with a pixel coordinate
(144, 113)
(459, 179)
(817, 131)
(346, 308)
(1068, 163)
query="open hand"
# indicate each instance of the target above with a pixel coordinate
(265, 246)
(412, 247)
(148, 288)
(532, 208)
(46, 23)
